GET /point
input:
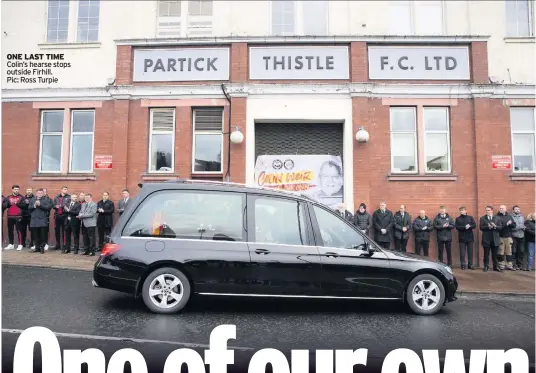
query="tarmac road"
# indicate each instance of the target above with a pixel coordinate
(86, 317)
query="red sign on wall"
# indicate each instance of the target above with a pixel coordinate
(103, 162)
(501, 162)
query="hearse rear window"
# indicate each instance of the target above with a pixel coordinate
(182, 214)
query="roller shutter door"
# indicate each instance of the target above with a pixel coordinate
(298, 138)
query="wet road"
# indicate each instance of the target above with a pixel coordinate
(65, 302)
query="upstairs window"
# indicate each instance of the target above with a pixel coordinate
(88, 21)
(184, 18)
(416, 18)
(519, 18)
(58, 21)
(51, 143)
(208, 140)
(300, 17)
(523, 139)
(162, 140)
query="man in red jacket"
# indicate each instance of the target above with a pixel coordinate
(14, 216)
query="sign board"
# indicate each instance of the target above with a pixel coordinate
(299, 63)
(419, 63)
(318, 176)
(103, 162)
(181, 64)
(501, 162)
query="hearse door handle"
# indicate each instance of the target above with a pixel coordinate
(332, 255)
(262, 251)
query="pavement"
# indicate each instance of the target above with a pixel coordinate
(82, 317)
(476, 281)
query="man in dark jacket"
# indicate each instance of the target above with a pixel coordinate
(422, 226)
(465, 224)
(490, 226)
(382, 221)
(402, 224)
(444, 225)
(13, 204)
(347, 215)
(362, 219)
(4, 208)
(105, 220)
(59, 217)
(45, 195)
(40, 211)
(72, 225)
(25, 221)
(505, 248)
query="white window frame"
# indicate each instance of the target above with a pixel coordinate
(415, 137)
(78, 24)
(206, 132)
(442, 132)
(512, 133)
(413, 17)
(185, 20)
(73, 134)
(68, 24)
(41, 171)
(298, 19)
(530, 7)
(151, 132)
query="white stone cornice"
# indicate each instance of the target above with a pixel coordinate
(343, 39)
(374, 90)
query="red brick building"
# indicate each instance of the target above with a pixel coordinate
(451, 120)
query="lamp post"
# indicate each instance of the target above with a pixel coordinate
(234, 137)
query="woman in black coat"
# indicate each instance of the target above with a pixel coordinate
(105, 220)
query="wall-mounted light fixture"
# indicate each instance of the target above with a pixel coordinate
(236, 136)
(362, 135)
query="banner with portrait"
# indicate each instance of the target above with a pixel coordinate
(319, 177)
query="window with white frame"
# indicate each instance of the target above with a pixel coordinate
(523, 139)
(416, 17)
(519, 18)
(77, 23)
(208, 140)
(162, 140)
(57, 21)
(436, 139)
(300, 17)
(50, 148)
(403, 122)
(88, 21)
(186, 18)
(82, 139)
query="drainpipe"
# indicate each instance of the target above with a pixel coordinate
(228, 173)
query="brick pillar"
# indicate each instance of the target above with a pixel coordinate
(362, 152)
(183, 142)
(358, 61)
(120, 136)
(479, 62)
(123, 67)
(238, 151)
(239, 62)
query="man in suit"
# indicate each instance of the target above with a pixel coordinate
(123, 203)
(464, 225)
(444, 224)
(72, 224)
(39, 208)
(88, 217)
(490, 226)
(402, 224)
(382, 222)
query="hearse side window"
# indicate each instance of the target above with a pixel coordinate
(335, 232)
(279, 222)
(189, 215)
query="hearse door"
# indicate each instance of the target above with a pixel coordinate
(349, 268)
(284, 259)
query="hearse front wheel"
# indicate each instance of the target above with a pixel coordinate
(425, 295)
(166, 290)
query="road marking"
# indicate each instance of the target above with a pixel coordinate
(127, 339)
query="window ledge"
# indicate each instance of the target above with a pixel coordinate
(207, 174)
(73, 177)
(522, 177)
(69, 45)
(159, 177)
(519, 39)
(424, 177)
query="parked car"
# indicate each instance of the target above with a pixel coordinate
(183, 238)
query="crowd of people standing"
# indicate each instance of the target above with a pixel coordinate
(507, 237)
(77, 218)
